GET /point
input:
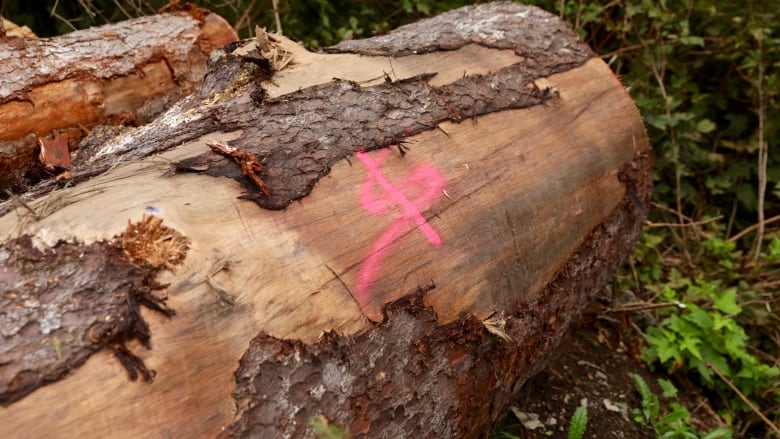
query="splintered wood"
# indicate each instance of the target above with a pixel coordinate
(153, 244)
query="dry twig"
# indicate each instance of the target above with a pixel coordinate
(744, 399)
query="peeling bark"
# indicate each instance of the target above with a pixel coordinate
(528, 30)
(315, 120)
(123, 73)
(59, 305)
(300, 135)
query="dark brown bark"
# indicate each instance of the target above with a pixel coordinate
(400, 109)
(61, 304)
(527, 30)
(382, 115)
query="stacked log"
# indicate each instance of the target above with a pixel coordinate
(119, 74)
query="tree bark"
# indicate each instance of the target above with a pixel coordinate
(124, 73)
(393, 235)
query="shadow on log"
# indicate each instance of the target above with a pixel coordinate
(441, 202)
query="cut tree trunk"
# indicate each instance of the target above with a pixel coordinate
(393, 235)
(121, 73)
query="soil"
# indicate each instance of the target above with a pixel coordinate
(594, 364)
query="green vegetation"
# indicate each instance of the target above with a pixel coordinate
(577, 426)
(704, 74)
(707, 337)
(674, 424)
(578, 422)
(324, 430)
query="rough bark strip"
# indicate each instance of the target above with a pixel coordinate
(330, 122)
(324, 123)
(529, 30)
(35, 62)
(123, 73)
(60, 305)
(409, 377)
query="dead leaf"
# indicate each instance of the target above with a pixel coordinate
(54, 152)
(529, 420)
(496, 325)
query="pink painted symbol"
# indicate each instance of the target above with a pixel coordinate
(428, 183)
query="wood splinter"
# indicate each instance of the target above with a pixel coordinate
(248, 161)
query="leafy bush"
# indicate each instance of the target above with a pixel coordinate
(707, 338)
(704, 75)
(674, 424)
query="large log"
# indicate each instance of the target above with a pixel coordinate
(127, 72)
(421, 216)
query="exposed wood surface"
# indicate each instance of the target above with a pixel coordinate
(11, 29)
(124, 72)
(530, 215)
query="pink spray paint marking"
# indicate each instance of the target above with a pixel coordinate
(427, 180)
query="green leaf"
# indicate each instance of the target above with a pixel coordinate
(679, 413)
(578, 423)
(323, 430)
(667, 388)
(705, 126)
(719, 433)
(733, 342)
(727, 302)
(691, 343)
(699, 317)
(721, 322)
(650, 404)
(665, 349)
(692, 41)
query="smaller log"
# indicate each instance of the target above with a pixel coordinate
(121, 73)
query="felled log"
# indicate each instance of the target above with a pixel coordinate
(8, 28)
(121, 73)
(391, 236)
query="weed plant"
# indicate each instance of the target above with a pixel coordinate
(674, 423)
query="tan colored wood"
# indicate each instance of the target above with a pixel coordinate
(523, 188)
(309, 68)
(14, 30)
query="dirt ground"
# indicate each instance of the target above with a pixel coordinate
(595, 362)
